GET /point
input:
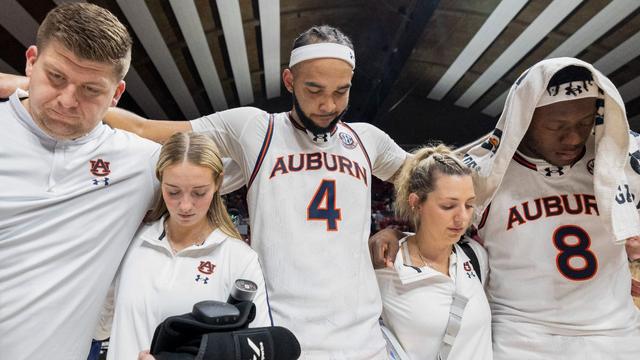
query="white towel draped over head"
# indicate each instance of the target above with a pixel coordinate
(612, 140)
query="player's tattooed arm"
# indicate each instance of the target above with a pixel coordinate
(156, 130)
(9, 83)
(383, 247)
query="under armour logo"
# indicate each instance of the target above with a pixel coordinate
(104, 181)
(550, 171)
(570, 90)
(324, 137)
(257, 350)
(204, 279)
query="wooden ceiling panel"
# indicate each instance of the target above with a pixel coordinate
(378, 28)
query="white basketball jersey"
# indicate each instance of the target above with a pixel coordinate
(309, 205)
(554, 268)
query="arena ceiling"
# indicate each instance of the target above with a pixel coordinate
(425, 69)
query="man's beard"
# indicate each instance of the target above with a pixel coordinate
(309, 124)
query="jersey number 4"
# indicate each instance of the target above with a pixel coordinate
(578, 248)
(323, 205)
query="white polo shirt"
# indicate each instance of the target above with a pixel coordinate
(68, 212)
(416, 303)
(154, 284)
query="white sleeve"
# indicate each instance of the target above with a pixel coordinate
(252, 271)
(226, 128)
(238, 133)
(103, 329)
(233, 177)
(385, 155)
(483, 259)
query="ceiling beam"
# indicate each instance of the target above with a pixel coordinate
(8, 69)
(602, 22)
(231, 20)
(533, 34)
(141, 94)
(141, 20)
(189, 21)
(18, 22)
(485, 36)
(270, 34)
(622, 54)
(631, 90)
(405, 41)
(597, 26)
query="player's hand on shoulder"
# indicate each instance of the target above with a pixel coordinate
(383, 247)
(632, 246)
(9, 83)
(635, 288)
(145, 355)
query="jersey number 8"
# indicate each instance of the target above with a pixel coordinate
(578, 248)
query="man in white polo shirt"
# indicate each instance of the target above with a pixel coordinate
(73, 190)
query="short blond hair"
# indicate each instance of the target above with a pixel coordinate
(90, 32)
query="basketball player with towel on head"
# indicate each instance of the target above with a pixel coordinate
(557, 185)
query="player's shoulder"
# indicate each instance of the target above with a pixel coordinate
(369, 134)
(362, 127)
(243, 113)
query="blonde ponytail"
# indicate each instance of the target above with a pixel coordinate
(419, 175)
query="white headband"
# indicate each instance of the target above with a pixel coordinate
(569, 91)
(322, 50)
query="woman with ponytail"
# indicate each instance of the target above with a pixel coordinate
(187, 251)
(434, 287)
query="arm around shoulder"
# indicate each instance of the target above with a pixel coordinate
(9, 83)
(156, 130)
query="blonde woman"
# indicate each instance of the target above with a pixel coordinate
(187, 251)
(432, 287)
